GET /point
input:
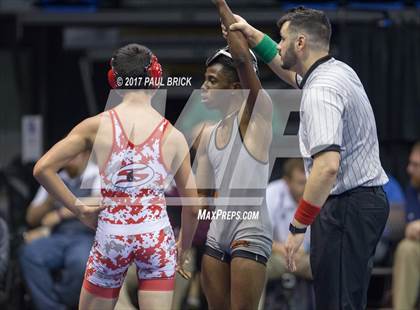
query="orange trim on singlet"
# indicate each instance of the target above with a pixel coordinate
(165, 284)
(104, 292)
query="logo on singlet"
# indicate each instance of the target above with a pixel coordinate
(132, 175)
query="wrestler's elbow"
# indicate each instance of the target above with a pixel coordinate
(40, 169)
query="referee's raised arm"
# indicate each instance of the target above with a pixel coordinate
(264, 47)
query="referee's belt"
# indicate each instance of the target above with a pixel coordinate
(360, 189)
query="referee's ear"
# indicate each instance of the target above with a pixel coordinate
(301, 42)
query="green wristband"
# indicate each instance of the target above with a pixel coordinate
(266, 49)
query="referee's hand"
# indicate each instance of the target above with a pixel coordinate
(293, 243)
(253, 35)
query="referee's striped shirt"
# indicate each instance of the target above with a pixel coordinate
(336, 115)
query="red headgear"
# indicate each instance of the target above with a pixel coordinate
(153, 70)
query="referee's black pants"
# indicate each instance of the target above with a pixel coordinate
(343, 241)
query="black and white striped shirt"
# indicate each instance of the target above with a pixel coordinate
(336, 115)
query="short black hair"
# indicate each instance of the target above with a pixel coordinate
(131, 60)
(229, 67)
(314, 22)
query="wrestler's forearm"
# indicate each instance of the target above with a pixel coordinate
(55, 186)
(187, 189)
(189, 223)
(189, 216)
(238, 44)
(45, 171)
(239, 49)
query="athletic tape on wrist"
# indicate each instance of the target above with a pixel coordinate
(266, 49)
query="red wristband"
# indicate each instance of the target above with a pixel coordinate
(306, 212)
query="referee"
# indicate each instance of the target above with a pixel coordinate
(343, 199)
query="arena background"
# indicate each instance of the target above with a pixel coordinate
(54, 56)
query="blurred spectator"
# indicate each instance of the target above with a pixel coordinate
(4, 250)
(56, 251)
(406, 273)
(394, 228)
(394, 192)
(282, 200)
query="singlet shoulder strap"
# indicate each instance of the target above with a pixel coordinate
(160, 129)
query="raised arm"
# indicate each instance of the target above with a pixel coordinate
(239, 49)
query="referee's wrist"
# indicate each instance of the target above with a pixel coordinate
(256, 38)
(297, 224)
(266, 49)
(297, 230)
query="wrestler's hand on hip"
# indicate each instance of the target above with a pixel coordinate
(88, 215)
(293, 243)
